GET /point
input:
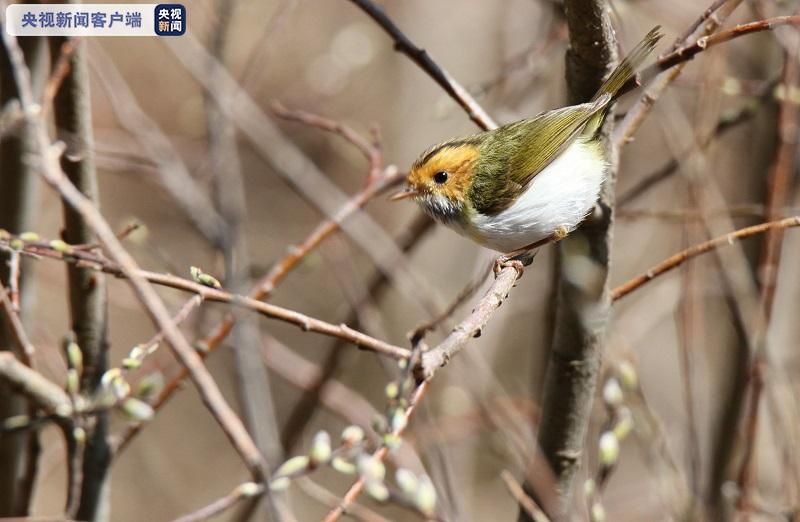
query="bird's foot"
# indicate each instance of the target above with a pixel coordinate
(517, 260)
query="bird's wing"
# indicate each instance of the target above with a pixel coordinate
(517, 152)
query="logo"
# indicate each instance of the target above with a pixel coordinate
(170, 19)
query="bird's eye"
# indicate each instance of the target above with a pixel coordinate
(440, 177)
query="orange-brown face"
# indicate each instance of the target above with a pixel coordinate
(444, 173)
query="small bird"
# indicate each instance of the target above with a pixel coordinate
(527, 183)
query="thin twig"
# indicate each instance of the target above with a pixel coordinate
(47, 395)
(242, 491)
(61, 69)
(264, 286)
(470, 327)
(420, 57)
(50, 169)
(343, 401)
(26, 349)
(358, 487)
(322, 495)
(299, 416)
(14, 273)
(369, 150)
(522, 498)
(689, 50)
(678, 259)
(778, 184)
(711, 19)
(305, 322)
(428, 326)
(727, 122)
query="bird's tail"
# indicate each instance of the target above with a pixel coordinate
(628, 67)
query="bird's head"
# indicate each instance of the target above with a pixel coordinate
(440, 179)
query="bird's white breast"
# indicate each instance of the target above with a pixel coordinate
(559, 196)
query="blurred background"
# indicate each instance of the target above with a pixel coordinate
(683, 333)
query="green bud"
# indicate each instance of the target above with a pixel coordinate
(392, 390)
(589, 488)
(75, 356)
(293, 466)
(399, 420)
(280, 484)
(79, 434)
(392, 441)
(109, 376)
(60, 246)
(249, 489)
(131, 364)
(137, 352)
(402, 363)
(73, 381)
(343, 466)
(408, 482)
(608, 446)
(320, 448)
(377, 490)
(624, 424)
(371, 468)
(204, 279)
(137, 410)
(597, 513)
(150, 385)
(627, 375)
(16, 421)
(426, 496)
(408, 385)
(612, 393)
(352, 435)
(29, 236)
(120, 388)
(16, 244)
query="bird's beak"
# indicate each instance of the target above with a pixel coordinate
(403, 194)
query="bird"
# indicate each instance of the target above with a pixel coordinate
(527, 183)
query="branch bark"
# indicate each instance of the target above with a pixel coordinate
(47, 154)
(19, 188)
(582, 301)
(87, 288)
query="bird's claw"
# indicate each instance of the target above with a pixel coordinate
(505, 262)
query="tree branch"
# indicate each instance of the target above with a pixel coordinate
(584, 258)
(87, 288)
(420, 57)
(50, 169)
(681, 257)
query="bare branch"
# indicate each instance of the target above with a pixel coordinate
(694, 251)
(50, 169)
(26, 349)
(420, 57)
(472, 326)
(242, 491)
(47, 395)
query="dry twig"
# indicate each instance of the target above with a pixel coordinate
(694, 251)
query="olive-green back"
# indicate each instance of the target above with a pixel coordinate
(512, 155)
